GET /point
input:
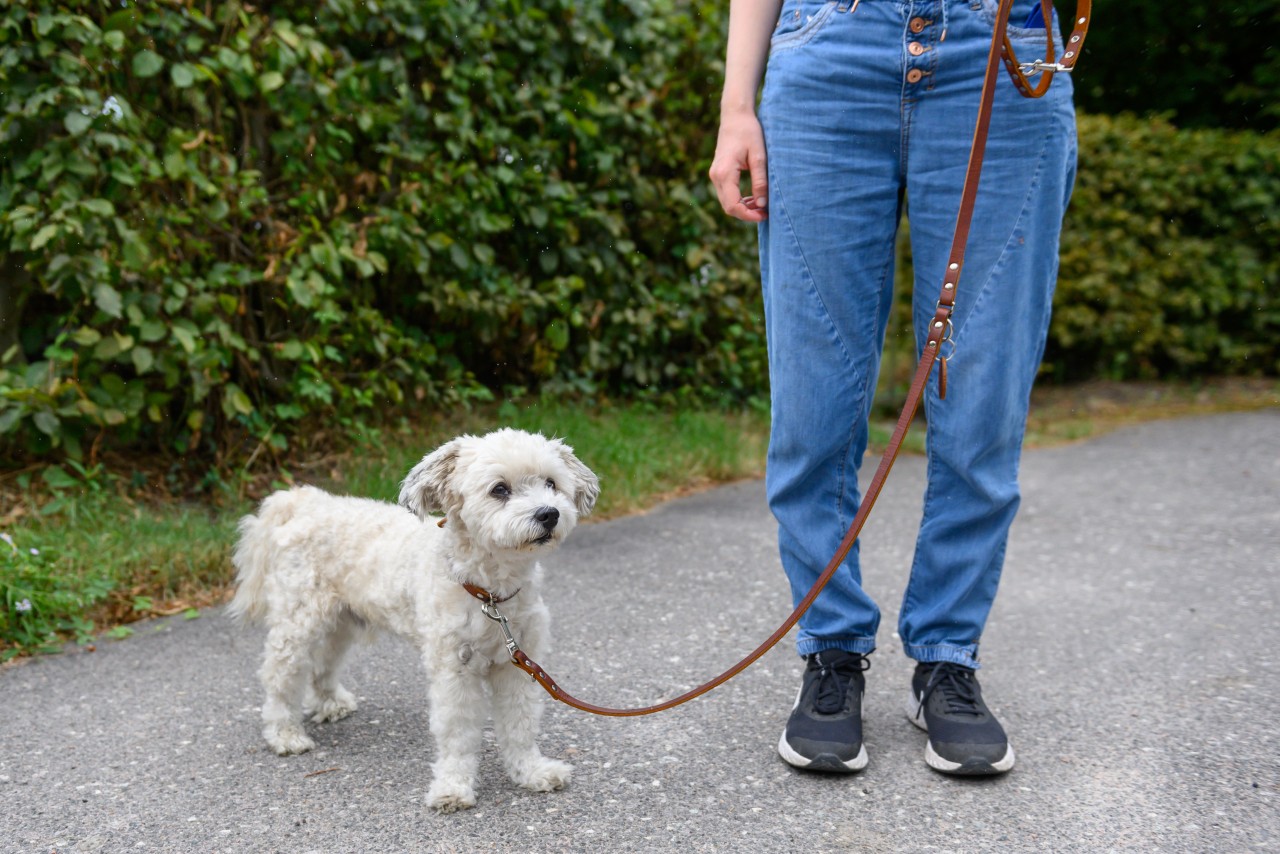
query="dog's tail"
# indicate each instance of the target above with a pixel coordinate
(254, 554)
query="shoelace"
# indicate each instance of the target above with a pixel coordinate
(833, 683)
(958, 688)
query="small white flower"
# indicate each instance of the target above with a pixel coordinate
(23, 606)
(111, 107)
(8, 539)
(35, 551)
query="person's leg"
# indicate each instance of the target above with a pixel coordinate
(830, 113)
(831, 117)
(1001, 319)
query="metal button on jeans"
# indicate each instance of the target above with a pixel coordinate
(917, 24)
(914, 75)
(915, 48)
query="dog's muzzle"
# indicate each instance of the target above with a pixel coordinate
(548, 518)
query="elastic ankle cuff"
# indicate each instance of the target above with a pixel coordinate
(966, 656)
(862, 646)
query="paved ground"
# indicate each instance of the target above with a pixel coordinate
(1132, 655)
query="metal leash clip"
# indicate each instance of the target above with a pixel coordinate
(1040, 65)
(491, 611)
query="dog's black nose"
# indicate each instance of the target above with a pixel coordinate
(548, 516)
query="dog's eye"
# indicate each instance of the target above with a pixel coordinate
(551, 484)
(501, 490)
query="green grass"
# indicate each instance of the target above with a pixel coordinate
(640, 453)
(106, 556)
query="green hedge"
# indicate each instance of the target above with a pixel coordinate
(218, 230)
(233, 225)
(1170, 261)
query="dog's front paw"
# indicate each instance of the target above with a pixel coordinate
(450, 796)
(545, 775)
(286, 739)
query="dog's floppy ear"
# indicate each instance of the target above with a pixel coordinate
(586, 486)
(425, 489)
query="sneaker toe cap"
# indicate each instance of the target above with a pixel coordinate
(968, 758)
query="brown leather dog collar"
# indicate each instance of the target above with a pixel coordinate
(485, 596)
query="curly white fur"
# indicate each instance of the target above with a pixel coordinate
(323, 570)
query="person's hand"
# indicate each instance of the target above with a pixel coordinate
(739, 148)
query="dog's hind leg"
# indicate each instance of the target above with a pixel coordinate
(332, 701)
(286, 666)
(457, 723)
(517, 713)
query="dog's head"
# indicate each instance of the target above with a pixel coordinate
(508, 490)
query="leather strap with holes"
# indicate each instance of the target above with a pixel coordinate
(939, 330)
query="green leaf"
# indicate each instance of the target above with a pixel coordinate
(558, 334)
(152, 330)
(9, 419)
(86, 336)
(143, 359)
(136, 254)
(182, 75)
(107, 298)
(459, 256)
(237, 400)
(147, 63)
(57, 478)
(43, 236)
(185, 338)
(126, 19)
(102, 207)
(175, 164)
(46, 422)
(77, 122)
(271, 81)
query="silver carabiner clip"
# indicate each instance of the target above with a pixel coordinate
(491, 611)
(1040, 65)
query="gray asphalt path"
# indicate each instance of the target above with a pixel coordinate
(1132, 655)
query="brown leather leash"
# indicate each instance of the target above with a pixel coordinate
(939, 334)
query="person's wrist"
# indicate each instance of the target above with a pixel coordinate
(731, 107)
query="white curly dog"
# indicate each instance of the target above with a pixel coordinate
(323, 570)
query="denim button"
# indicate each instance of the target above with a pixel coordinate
(915, 48)
(917, 25)
(914, 75)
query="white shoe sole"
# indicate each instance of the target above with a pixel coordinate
(938, 763)
(822, 762)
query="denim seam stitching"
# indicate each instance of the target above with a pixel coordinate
(984, 291)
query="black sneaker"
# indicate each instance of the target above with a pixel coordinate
(824, 732)
(964, 737)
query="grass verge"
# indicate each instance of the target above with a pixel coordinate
(82, 552)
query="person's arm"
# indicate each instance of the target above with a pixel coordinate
(740, 144)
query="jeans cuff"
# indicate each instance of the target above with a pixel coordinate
(931, 653)
(862, 646)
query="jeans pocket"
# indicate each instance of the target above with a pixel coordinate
(1023, 38)
(800, 21)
